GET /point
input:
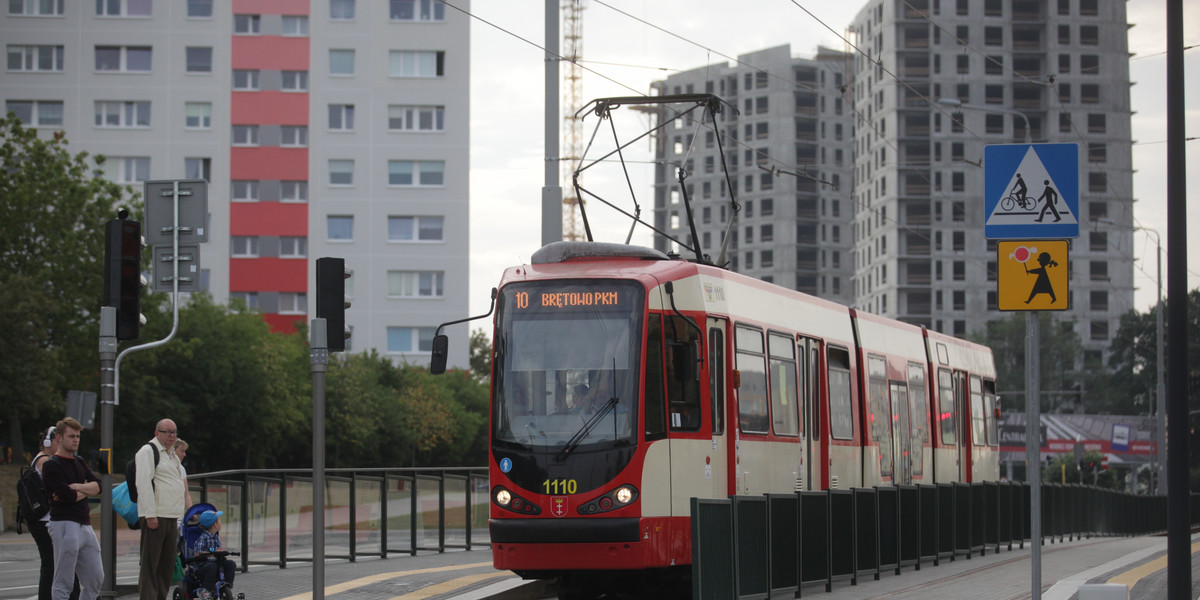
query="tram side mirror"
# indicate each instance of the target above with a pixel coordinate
(441, 346)
(683, 361)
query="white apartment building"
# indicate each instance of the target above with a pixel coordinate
(324, 127)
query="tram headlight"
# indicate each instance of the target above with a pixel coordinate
(624, 495)
(503, 497)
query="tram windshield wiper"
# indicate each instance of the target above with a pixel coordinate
(587, 427)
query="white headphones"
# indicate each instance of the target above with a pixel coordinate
(49, 436)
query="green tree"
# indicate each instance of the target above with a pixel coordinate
(53, 206)
(481, 355)
(1134, 362)
(1058, 349)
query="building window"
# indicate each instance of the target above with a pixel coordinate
(1064, 122)
(295, 81)
(197, 168)
(35, 8)
(1098, 270)
(246, 24)
(416, 118)
(123, 114)
(248, 299)
(341, 171)
(245, 80)
(1099, 300)
(243, 246)
(341, 62)
(994, 65)
(409, 339)
(1097, 123)
(415, 284)
(341, 117)
(1099, 331)
(416, 63)
(293, 303)
(416, 10)
(243, 190)
(1098, 210)
(199, 60)
(416, 172)
(43, 59)
(1098, 241)
(1089, 64)
(197, 115)
(1097, 182)
(415, 229)
(993, 36)
(295, 25)
(293, 247)
(293, 136)
(293, 191)
(245, 135)
(122, 8)
(339, 227)
(37, 113)
(994, 123)
(341, 10)
(1089, 93)
(127, 169)
(1097, 152)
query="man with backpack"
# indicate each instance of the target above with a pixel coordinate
(160, 500)
(69, 482)
(34, 509)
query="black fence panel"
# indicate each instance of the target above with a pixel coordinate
(946, 521)
(908, 526)
(866, 532)
(750, 547)
(978, 517)
(929, 525)
(712, 549)
(815, 542)
(783, 518)
(842, 535)
(887, 502)
(962, 519)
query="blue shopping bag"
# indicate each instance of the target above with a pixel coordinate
(123, 505)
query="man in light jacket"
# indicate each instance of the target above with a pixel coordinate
(161, 491)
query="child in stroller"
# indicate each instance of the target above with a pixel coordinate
(208, 570)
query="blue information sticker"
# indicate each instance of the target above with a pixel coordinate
(505, 465)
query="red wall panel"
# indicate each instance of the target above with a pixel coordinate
(269, 108)
(283, 323)
(268, 162)
(268, 218)
(270, 7)
(270, 52)
(268, 275)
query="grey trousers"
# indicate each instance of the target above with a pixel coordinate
(76, 554)
(158, 559)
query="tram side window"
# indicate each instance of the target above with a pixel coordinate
(814, 390)
(841, 413)
(716, 378)
(978, 425)
(752, 391)
(785, 416)
(918, 414)
(656, 417)
(989, 408)
(683, 396)
(946, 407)
(877, 398)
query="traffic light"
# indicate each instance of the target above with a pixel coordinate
(331, 301)
(123, 280)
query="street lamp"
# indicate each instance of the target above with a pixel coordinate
(1160, 388)
(956, 103)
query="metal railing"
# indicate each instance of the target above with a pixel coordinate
(368, 512)
(760, 546)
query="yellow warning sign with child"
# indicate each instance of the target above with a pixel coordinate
(1032, 275)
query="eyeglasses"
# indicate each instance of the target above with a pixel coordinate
(171, 432)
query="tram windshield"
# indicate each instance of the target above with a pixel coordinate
(566, 364)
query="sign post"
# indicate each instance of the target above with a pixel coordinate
(1031, 192)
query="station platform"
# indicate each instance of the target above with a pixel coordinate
(1138, 562)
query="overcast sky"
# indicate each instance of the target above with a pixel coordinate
(507, 76)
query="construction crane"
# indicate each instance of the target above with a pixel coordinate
(572, 141)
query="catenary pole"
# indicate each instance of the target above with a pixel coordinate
(552, 193)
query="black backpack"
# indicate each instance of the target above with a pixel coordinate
(131, 474)
(32, 504)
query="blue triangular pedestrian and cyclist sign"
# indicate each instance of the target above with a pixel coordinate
(1031, 191)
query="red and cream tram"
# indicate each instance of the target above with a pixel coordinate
(625, 382)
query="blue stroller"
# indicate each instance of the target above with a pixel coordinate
(192, 585)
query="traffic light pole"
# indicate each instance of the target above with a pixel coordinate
(108, 533)
(318, 355)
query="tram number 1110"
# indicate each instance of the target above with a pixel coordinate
(560, 486)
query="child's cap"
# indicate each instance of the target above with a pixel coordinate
(208, 517)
